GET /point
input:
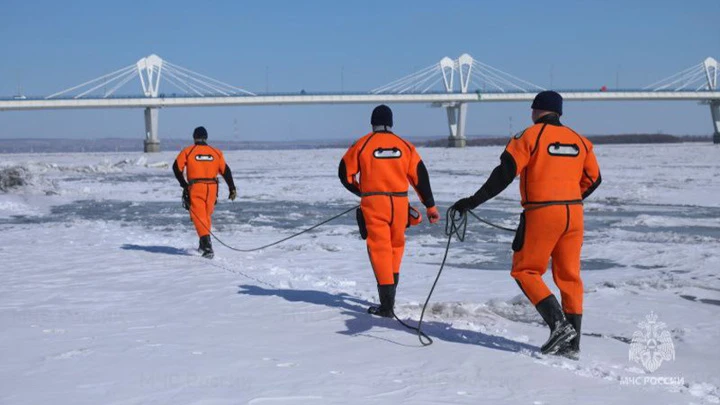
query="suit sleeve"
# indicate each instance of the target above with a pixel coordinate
(227, 175)
(221, 161)
(348, 170)
(501, 177)
(520, 149)
(591, 177)
(420, 179)
(225, 171)
(512, 162)
(179, 166)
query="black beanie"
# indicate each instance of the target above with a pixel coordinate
(548, 101)
(382, 115)
(200, 133)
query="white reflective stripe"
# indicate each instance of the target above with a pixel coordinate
(557, 149)
(387, 153)
(204, 158)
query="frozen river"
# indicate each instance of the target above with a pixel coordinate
(104, 299)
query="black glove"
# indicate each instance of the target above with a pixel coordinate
(464, 204)
(233, 195)
(186, 198)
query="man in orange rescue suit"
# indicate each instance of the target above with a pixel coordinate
(377, 168)
(203, 164)
(558, 170)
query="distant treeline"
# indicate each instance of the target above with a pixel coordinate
(596, 139)
(136, 145)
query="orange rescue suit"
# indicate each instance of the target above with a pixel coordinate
(203, 164)
(558, 170)
(378, 168)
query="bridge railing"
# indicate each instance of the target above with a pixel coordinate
(321, 93)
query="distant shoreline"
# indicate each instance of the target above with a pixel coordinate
(9, 146)
(595, 139)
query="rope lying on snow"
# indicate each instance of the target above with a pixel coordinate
(295, 235)
(455, 225)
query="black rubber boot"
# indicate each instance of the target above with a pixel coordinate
(396, 277)
(206, 247)
(572, 349)
(561, 331)
(387, 301)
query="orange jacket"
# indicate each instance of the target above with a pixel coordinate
(203, 163)
(382, 162)
(555, 164)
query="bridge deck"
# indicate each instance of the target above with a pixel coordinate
(338, 98)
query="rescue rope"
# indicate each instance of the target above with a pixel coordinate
(295, 235)
(455, 224)
(486, 222)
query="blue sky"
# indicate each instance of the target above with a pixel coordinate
(48, 46)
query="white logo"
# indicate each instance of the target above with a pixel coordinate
(560, 149)
(393, 153)
(652, 344)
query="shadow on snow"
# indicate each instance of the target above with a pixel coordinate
(361, 322)
(168, 250)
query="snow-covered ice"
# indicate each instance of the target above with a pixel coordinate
(105, 301)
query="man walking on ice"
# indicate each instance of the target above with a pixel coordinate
(558, 170)
(378, 168)
(203, 164)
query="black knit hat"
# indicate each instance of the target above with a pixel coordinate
(382, 115)
(548, 101)
(200, 133)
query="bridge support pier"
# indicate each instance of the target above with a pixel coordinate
(456, 121)
(152, 142)
(715, 111)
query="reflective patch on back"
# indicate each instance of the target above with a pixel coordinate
(393, 153)
(204, 158)
(563, 149)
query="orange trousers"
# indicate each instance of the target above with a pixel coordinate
(551, 232)
(386, 218)
(202, 205)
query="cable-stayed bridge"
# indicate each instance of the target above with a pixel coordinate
(449, 84)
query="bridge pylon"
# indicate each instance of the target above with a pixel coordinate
(711, 73)
(152, 141)
(700, 77)
(457, 112)
(715, 112)
(151, 70)
(470, 72)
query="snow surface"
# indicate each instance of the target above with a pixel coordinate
(105, 301)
